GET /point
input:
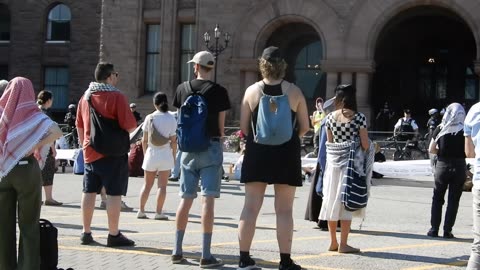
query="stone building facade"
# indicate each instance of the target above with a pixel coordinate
(38, 47)
(410, 53)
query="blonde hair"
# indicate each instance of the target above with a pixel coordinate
(272, 70)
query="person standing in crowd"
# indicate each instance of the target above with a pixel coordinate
(432, 122)
(26, 135)
(100, 170)
(406, 128)
(315, 119)
(3, 85)
(314, 203)
(175, 173)
(45, 101)
(384, 117)
(450, 168)
(472, 150)
(207, 165)
(264, 164)
(158, 159)
(136, 114)
(343, 125)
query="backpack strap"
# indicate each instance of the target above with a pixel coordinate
(188, 87)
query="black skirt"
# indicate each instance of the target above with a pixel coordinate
(272, 164)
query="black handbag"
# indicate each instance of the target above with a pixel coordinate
(106, 135)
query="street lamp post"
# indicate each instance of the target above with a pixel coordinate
(216, 49)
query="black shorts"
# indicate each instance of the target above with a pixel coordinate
(108, 172)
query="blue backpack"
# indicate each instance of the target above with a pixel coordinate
(192, 134)
(274, 119)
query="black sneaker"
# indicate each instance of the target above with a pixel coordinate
(173, 179)
(247, 265)
(432, 233)
(86, 238)
(178, 259)
(210, 263)
(448, 235)
(291, 266)
(119, 241)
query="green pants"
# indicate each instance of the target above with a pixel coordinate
(21, 187)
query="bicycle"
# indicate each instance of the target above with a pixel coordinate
(407, 150)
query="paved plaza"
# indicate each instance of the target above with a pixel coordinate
(392, 236)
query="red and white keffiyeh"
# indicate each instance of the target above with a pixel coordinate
(22, 124)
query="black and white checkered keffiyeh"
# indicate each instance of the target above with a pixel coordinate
(99, 87)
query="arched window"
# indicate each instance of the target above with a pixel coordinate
(4, 23)
(58, 28)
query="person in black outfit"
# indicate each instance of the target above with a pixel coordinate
(433, 122)
(265, 164)
(450, 169)
(133, 108)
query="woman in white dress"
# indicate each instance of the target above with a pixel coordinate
(158, 159)
(343, 126)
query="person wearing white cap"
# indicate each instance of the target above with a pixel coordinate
(133, 109)
(207, 164)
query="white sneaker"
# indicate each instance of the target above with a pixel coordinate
(161, 217)
(141, 215)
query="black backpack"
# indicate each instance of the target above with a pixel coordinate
(48, 245)
(106, 135)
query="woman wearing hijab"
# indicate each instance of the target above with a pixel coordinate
(450, 169)
(45, 101)
(25, 138)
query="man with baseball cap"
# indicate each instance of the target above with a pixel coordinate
(206, 165)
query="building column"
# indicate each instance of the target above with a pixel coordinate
(332, 81)
(347, 77)
(363, 83)
(476, 67)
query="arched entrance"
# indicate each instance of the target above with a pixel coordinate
(424, 59)
(303, 50)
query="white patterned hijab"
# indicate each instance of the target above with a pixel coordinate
(452, 121)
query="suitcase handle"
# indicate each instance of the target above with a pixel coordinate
(45, 223)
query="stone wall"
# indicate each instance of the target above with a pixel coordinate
(27, 53)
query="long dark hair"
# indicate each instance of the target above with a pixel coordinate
(345, 94)
(160, 101)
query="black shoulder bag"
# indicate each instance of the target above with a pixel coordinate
(106, 135)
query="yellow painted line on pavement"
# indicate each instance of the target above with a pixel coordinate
(436, 266)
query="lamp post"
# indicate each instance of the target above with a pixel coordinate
(216, 49)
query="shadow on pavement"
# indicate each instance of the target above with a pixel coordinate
(416, 258)
(410, 236)
(80, 227)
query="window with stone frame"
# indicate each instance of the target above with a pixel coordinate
(4, 23)
(58, 23)
(187, 51)
(152, 58)
(56, 80)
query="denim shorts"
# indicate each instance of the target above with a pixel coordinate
(108, 172)
(205, 165)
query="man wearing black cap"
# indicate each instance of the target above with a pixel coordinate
(206, 165)
(406, 128)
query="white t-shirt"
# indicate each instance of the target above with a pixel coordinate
(164, 123)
